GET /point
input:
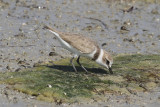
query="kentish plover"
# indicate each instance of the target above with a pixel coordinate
(83, 46)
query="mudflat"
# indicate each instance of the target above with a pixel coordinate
(120, 27)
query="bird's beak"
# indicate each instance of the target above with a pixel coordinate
(110, 70)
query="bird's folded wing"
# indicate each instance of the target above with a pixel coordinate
(81, 43)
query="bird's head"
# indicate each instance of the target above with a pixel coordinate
(106, 60)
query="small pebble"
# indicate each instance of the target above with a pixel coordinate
(53, 54)
(48, 85)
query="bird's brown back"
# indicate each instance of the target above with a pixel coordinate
(82, 43)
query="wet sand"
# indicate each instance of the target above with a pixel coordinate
(116, 27)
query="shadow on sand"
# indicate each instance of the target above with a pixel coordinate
(68, 68)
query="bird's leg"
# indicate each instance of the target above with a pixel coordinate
(80, 64)
(71, 62)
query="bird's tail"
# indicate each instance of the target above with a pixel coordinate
(56, 33)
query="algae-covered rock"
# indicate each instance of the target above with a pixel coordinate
(134, 88)
(43, 98)
(151, 85)
(132, 74)
(114, 78)
(117, 89)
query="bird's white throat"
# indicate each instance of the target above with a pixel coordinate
(99, 60)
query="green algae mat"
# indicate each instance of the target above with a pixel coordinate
(57, 81)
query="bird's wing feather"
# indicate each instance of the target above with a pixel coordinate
(81, 43)
(84, 44)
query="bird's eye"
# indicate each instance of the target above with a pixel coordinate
(107, 62)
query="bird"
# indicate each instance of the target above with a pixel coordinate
(83, 46)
